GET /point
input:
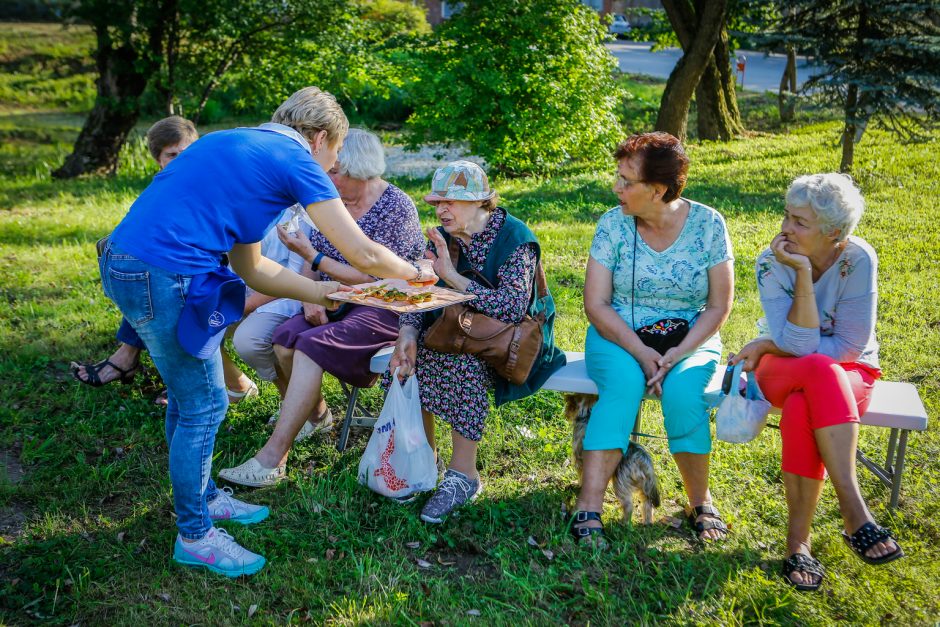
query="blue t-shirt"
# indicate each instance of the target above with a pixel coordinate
(668, 284)
(227, 188)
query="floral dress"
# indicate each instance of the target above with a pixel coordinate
(455, 387)
(392, 221)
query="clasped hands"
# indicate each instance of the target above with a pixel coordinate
(655, 367)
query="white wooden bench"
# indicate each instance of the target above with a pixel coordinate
(896, 406)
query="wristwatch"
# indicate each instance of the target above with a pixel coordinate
(315, 264)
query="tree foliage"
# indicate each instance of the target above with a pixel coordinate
(880, 61)
(528, 84)
(182, 48)
(362, 56)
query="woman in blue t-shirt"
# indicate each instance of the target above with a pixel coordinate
(220, 197)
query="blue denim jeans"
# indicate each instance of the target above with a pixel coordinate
(151, 300)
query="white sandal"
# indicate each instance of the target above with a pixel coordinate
(253, 474)
(237, 397)
(323, 423)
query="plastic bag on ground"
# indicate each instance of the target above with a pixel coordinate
(398, 460)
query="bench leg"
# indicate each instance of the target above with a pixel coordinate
(353, 394)
(892, 444)
(898, 470)
(637, 423)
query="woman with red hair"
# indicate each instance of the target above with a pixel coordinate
(658, 287)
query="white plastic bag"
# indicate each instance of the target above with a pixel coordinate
(740, 418)
(398, 460)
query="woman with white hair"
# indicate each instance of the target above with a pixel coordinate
(163, 268)
(342, 343)
(818, 361)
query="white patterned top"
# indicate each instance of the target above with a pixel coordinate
(846, 298)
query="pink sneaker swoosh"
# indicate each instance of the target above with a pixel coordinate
(205, 560)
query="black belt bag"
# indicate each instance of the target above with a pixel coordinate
(664, 334)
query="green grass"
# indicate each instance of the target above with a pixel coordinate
(97, 529)
(46, 65)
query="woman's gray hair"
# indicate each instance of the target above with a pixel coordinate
(362, 156)
(311, 110)
(838, 203)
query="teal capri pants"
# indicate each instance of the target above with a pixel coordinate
(621, 385)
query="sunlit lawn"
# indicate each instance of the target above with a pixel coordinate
(87, 532)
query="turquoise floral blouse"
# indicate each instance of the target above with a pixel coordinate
(668, 284)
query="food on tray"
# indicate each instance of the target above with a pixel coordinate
(395, 295)
(420, 297)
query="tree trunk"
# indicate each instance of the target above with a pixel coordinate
(786, 97)
(852, 98)
(122, 78)
(716, 97)
(708, 22)
(848, 133)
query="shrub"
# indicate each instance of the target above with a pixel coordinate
(526, 83)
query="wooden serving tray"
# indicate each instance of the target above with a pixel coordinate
(440, 297)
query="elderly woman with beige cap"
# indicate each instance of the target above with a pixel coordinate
(498, 261)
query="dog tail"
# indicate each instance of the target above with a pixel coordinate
(652, 490)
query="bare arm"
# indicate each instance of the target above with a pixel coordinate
(598, 291)
(255, 300)
(803, 311)
(365, 255)
(753, 351)
(268, 277)
(340, 271)
(717, 309)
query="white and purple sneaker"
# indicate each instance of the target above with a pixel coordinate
(218, 552)
(226, 507)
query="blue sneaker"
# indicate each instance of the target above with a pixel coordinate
(226, 507)
(218, 552)
(454, 491)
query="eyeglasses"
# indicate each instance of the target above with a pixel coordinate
(621, 182)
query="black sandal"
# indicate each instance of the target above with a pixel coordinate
(805, 564)
(867, 536)
(93, 371)
(580, 534)
(700, 527)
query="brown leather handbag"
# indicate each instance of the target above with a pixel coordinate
(511, 349)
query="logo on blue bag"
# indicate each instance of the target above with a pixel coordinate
(216, 319)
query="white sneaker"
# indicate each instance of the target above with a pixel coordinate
(325, 423)
(253, 474)
(218, 552)
(227, 507)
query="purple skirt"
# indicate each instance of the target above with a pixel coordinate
(345, 347)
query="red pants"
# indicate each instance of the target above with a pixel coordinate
(814, 392)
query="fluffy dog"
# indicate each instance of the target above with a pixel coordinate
(634, 474)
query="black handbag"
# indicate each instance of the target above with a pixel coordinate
(664, 334)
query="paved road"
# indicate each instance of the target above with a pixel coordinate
(762, 72)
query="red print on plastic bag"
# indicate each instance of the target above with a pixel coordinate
(386, 471)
